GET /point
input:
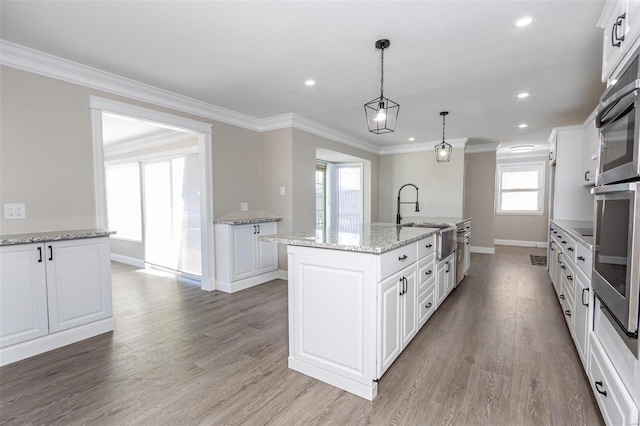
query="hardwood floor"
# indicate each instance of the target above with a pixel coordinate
(497, 352)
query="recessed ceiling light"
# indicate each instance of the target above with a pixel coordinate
(523, 22)
(521, 148)
(412, 139)
(523, 95)
(522, 126)
(310, 82)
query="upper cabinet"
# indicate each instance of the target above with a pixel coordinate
(620, 22)
(553, 146)
(590, 152)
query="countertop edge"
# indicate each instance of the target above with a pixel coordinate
(43, 237)
(573, 233)
(247, 221)
(368, 249)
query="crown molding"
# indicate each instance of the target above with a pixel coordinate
(485, 147)
(536, 154)
(420, 146)
(26, 59)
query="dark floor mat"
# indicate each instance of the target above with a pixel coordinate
(538, 260)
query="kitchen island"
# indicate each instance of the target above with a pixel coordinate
(356, 299)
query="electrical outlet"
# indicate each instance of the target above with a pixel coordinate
(282, 190)
(244, 207)
(15, 211)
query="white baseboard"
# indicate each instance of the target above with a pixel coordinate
(613, 260)
(519, 243)
(283, 274)
(19, 351)
(483, 250)
(138, 263)
(247, 282)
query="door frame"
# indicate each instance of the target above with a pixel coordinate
(99, 105)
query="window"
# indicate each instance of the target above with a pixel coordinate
(124, 212)
(321, 194)
(520, 188)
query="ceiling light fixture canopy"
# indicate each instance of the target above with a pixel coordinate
(443, 149)
(381, 113)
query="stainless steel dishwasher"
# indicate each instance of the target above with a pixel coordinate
(463, 237)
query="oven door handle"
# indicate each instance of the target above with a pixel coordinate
(607, 106)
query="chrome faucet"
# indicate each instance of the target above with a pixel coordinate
(398, 217)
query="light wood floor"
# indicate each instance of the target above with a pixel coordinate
(497, 352)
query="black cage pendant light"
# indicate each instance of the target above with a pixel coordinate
(443, 149)
(381, 113)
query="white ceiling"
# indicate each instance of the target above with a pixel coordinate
(466, 57)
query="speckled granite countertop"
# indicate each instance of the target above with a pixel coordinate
(371, 238)
(41, 237)
(573, 226)
(246, 220)
(436, 220)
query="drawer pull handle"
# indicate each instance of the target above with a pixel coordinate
(429, 272)
(570, 248)
(50, 253)
(580, 258)
(569, 277)
(39, 254)
(561, 296)
(583, 290)
(564, 242)
(448, 268)
(428, 305)
(601, 392)
(403, 257)
(563, 267)
(402, 286)
(568, 312)
(429, 245)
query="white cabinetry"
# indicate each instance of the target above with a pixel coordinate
(590, 152)
(569, 198)
(53, 294)
(23, 294)
(620, 22)
(243, 261)
(445, 277)
(582, 319)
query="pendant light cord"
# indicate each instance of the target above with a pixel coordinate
(382, 72)
(443, 116)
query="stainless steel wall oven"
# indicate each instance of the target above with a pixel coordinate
(616, 268)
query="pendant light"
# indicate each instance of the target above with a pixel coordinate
(381, 113)
(443, 149)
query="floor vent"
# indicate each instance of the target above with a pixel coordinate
(538, 260)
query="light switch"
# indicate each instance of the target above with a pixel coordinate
(244, 207)
(282, 190)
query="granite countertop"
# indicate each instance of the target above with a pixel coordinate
(573, 227)
(370, 238)
(246, 220)
(436, 220)
(41, 237)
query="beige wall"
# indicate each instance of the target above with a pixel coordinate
(46, 158)
(479, 196)
(524, 228)
(441, 184)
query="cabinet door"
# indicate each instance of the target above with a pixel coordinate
(553, 264)
(409, 302)
(78, 281)
(582, 301)
(243, 253)
(553, 145)
(23, 294)
(267, 252)
(441, 283)
(451, 273)
(590, 154)
(467, 253)
(389, 325)
(613, 49)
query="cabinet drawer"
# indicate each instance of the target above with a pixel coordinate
(426, 306)
(583, 259)
(615, 403)
(426, 272)
(394, 260)
(426, 246)
(568, 245)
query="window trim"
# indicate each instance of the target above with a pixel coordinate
(502, 167)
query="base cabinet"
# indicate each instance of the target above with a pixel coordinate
(51, 288)
(445, 277)
(242, 260)
(582, 319)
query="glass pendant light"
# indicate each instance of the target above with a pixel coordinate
(381, 113)
(443, 149)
